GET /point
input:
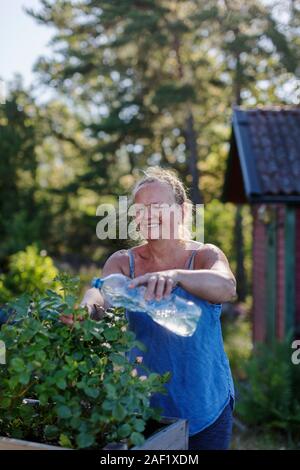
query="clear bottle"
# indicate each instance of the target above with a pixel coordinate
(175, 313)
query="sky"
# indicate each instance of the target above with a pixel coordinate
(22, 40)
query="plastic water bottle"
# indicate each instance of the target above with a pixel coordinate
(173, 312)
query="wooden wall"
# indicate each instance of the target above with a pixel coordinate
(276, 271)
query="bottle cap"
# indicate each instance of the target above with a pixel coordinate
(97, 282)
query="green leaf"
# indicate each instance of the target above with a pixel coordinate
(117, 359)
(108, 405)
(17, 364)
(119, 412)
(111, 334)
(85, 440)
(111, 390)
(91, 392)
(64, 441)
(62, 384)
(139, 425)
(137, 439)
(43, 397)
(64, 411)
(5, 403)
(51, 432)
(24, 378)
(124, 430)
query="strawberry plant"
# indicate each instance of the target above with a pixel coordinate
(87, 392)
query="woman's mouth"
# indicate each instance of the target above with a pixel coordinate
(153, 225)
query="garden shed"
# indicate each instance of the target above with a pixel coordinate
(263, 170)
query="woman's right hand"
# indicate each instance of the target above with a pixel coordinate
(93, 302)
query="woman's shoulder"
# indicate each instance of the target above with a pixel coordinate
(208, 254)
(117, 262)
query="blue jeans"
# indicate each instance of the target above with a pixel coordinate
(217, 436)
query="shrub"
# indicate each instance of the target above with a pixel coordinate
(89, 394)
(238, 344)
(29, 271)
(269, 398)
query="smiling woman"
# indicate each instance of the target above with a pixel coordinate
(201, 388)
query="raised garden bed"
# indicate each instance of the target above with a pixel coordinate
(171, 435)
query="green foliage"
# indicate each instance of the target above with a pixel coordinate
(269, 398)
(22, 219)
(219, 229)
(89, 394)
(28, 272)
(238, 344)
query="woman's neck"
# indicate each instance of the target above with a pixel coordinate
(162, 249)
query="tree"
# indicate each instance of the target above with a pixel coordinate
(20, 223)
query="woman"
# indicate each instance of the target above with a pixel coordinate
(201, 386)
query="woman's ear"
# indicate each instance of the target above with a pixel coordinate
(187, 218)
(186, 212)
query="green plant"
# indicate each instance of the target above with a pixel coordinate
(238, 344)
(28, 271)
(269, 397)
(89, 393)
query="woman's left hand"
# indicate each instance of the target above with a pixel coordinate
(158, 284)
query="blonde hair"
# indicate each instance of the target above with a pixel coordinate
(156, 174)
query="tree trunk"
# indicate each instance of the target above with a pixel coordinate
(191, 145)
(190, 135)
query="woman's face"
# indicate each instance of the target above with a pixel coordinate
(157, 214)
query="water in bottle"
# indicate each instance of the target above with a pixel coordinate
(175, 313)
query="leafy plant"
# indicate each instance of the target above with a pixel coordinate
(89, 393)
(269, 398)
(28, 271)
(238, 344)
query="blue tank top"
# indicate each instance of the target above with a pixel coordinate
(201, 382)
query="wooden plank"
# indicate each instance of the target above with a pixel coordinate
(280, 272)
(271, 276)
(17, 444)
(290, 270)
(297, 272)
(259, 276)
(172, 437)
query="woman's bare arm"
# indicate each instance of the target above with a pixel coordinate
(211, 279)
(93, 300)
(215, 281)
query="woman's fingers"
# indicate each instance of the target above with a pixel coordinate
(67, 319)
(70, 319)
(157, 285)
(139, 280)
(149, 280)
(160, 288)
(169, 286)
(151, 286)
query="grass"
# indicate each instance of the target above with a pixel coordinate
(254, 439)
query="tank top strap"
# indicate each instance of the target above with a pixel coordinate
(131, 263)
(191, 260)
